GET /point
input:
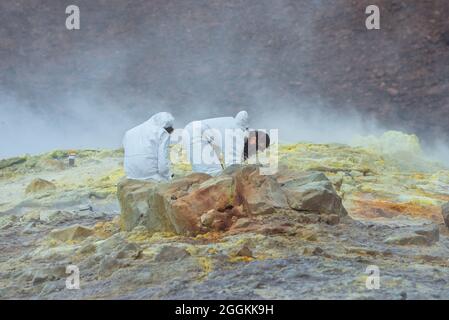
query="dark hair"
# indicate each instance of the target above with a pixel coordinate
(261, 137)
(169, 129)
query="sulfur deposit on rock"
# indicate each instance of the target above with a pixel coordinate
(39, 185)
(200, 203)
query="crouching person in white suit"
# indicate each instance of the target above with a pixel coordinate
(214, 144)
(147, 149)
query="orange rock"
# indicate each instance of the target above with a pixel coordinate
(389, 209)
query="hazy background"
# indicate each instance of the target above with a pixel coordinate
(309, 68)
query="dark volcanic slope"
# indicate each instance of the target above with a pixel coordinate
(229, 53)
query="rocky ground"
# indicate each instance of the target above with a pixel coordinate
(53, 216)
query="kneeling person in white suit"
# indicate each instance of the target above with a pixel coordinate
(147, 149)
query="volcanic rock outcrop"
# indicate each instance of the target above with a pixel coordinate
(199, 203)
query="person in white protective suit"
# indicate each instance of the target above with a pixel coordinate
(147, 149)
(213, 144)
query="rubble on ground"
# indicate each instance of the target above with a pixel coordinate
(310, 231)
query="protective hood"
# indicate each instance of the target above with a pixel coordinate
(162, 120)
(147, 149)
(242, 120)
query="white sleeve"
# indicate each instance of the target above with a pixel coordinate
(163, 160)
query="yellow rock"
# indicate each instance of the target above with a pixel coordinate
(39, 185)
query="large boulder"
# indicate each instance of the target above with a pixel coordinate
(199, 203)
(445, 213)
(311, 191)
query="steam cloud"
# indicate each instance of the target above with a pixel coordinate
(105, 81)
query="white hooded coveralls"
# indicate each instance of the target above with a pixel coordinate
(200, 145)
(147, 149)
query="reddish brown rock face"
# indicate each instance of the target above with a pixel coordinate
(238, 199)
(214, 194)
(216, 220)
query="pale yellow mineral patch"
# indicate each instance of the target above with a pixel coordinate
(391, 143)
